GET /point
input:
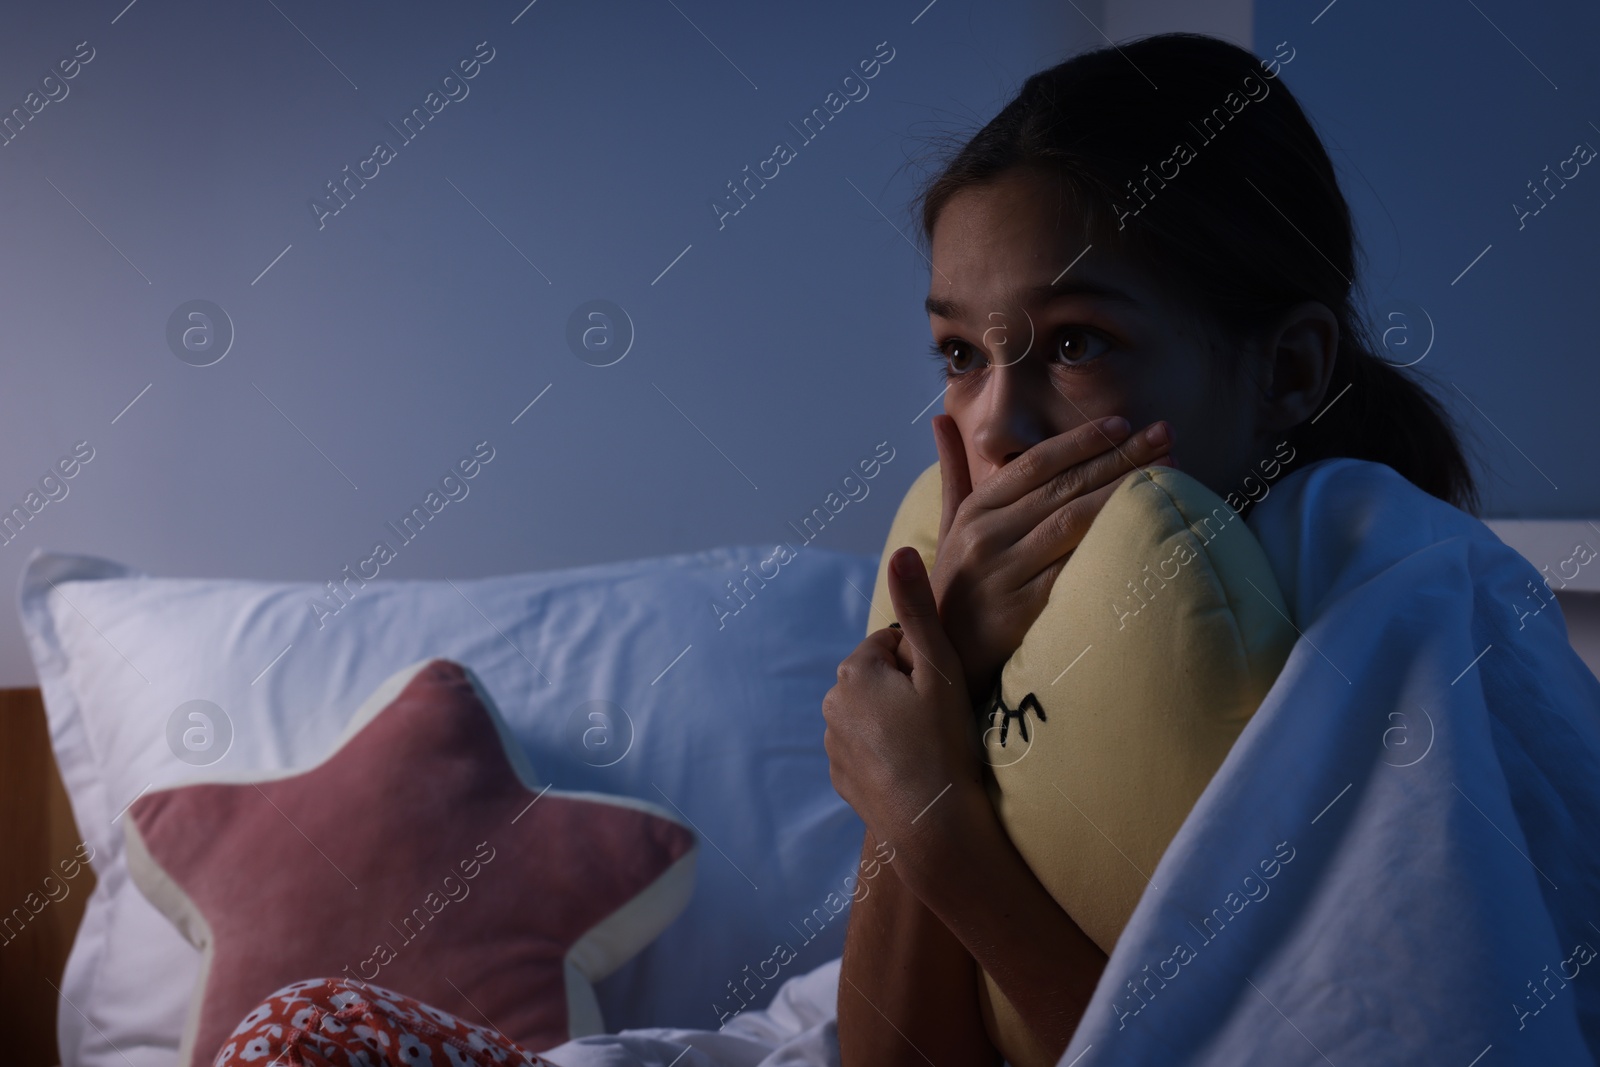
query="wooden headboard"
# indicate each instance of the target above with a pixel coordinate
(37, 833)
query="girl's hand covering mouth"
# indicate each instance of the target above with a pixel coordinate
(1002, 544)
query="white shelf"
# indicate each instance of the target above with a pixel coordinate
(1552, 546)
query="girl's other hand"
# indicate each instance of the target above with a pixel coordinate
(900, 731)
(1001, 545)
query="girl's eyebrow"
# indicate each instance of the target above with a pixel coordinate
(1035, 295)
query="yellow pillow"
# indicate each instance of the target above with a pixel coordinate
(1160, 638)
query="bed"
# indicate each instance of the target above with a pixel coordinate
(38, 830)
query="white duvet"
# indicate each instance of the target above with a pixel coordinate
(1397, 863)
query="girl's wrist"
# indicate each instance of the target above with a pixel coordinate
(943, 838)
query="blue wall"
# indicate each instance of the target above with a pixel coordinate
(1438, 114)
(577, 164)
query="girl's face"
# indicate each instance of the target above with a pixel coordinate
(1034, 349)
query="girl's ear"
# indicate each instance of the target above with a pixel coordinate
(1299, 365)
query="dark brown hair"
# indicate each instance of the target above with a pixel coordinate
(1252, 222)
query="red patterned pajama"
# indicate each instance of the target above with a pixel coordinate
(339, 1022)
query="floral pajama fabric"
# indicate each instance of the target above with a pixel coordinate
(338, 1022)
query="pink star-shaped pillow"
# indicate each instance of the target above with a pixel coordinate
(419, 855)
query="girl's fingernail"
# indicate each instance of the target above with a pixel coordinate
(902, 562)
(1116, 425)
(1159, 434)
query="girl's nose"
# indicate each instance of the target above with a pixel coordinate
(1013, 417)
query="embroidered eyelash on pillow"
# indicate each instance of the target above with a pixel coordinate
(1161, 637)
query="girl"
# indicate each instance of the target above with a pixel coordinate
(1148, 237)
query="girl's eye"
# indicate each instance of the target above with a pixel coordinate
(1075, 345)
(957, 356)
(1078, 345)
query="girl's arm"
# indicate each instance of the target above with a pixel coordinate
(904, 752)
(956, 896)
(908, 990)
(964, 869)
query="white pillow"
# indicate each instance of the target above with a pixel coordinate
(728, 733)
